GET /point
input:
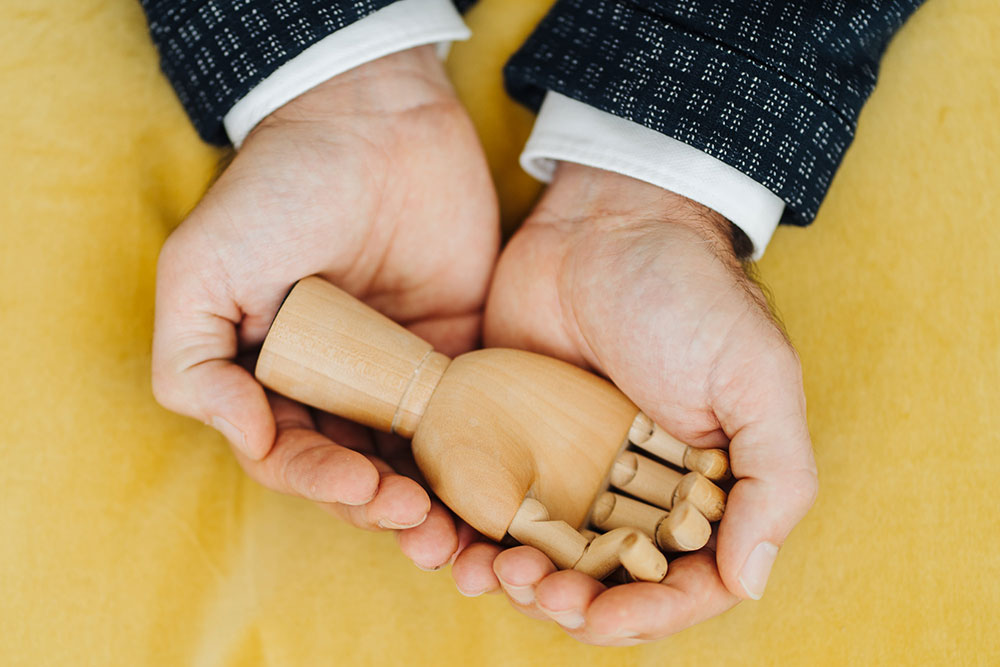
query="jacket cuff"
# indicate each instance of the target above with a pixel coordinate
(640, 66)
(570, 131)
(400, 26)
(214, 53)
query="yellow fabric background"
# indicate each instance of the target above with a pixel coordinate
(129, 536)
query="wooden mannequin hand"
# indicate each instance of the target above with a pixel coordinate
(643, 286)
(376, 181)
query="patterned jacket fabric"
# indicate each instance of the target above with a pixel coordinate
(214, 52)
(770, 87)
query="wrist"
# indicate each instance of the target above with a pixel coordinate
(607, 200)
(389, 85)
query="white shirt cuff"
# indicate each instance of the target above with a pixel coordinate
(402, 25)
(572, 131)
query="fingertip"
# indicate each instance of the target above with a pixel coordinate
(624, 612)
(691, 592)
(194, 346)
(519, 570)
(736, 536)
(756, 570)
(255, 442)
(467, 536)
(759, 517)
(260, 435)
(333, 474)
(231, 401)
(236, 437)
(430, 544)
(473, 569)
(400, 503)
(522, 566)
(250, 412)
(353, 479)
(567, 590)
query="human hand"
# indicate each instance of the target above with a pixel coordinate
(644, 286)
(374, 180)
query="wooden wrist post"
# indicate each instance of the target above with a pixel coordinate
(335, 353)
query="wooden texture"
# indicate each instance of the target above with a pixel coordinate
(487, 428)
(626, 547)
(684, 529)
(503, 422)
(645, 434)
(703, 494)
(558, 540)
(593, 554)
(328, 350)
(130, 538)
(645, 479)
(641, 558)
(497, 433)
(612, 510)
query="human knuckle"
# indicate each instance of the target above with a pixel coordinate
(170, 251)
(164, 388)
(804, 488)
(294, 471)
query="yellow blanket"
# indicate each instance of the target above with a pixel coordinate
(129, 536)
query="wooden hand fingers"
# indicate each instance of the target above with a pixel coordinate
(671, 507)
(683, 528)
(594, 554)
(645, 434)
(662, 486)
(651, 508)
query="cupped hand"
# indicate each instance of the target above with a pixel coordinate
(376, 181)
(644, 286)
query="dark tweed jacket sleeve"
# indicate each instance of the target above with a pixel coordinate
(770, 87)
(215, 51)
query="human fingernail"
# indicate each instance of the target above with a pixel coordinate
(388, 524)
(757, 569)
(358, 503)
(620, 634)
(570, 618)
(520, 594)
(468, 594)
(232, 434)
(435, 568)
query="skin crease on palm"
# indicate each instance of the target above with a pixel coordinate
(643, 286)
(376, 181)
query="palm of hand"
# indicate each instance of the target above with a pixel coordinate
(668, 329)
(376, 181)
(665, 311)
(397, 209)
